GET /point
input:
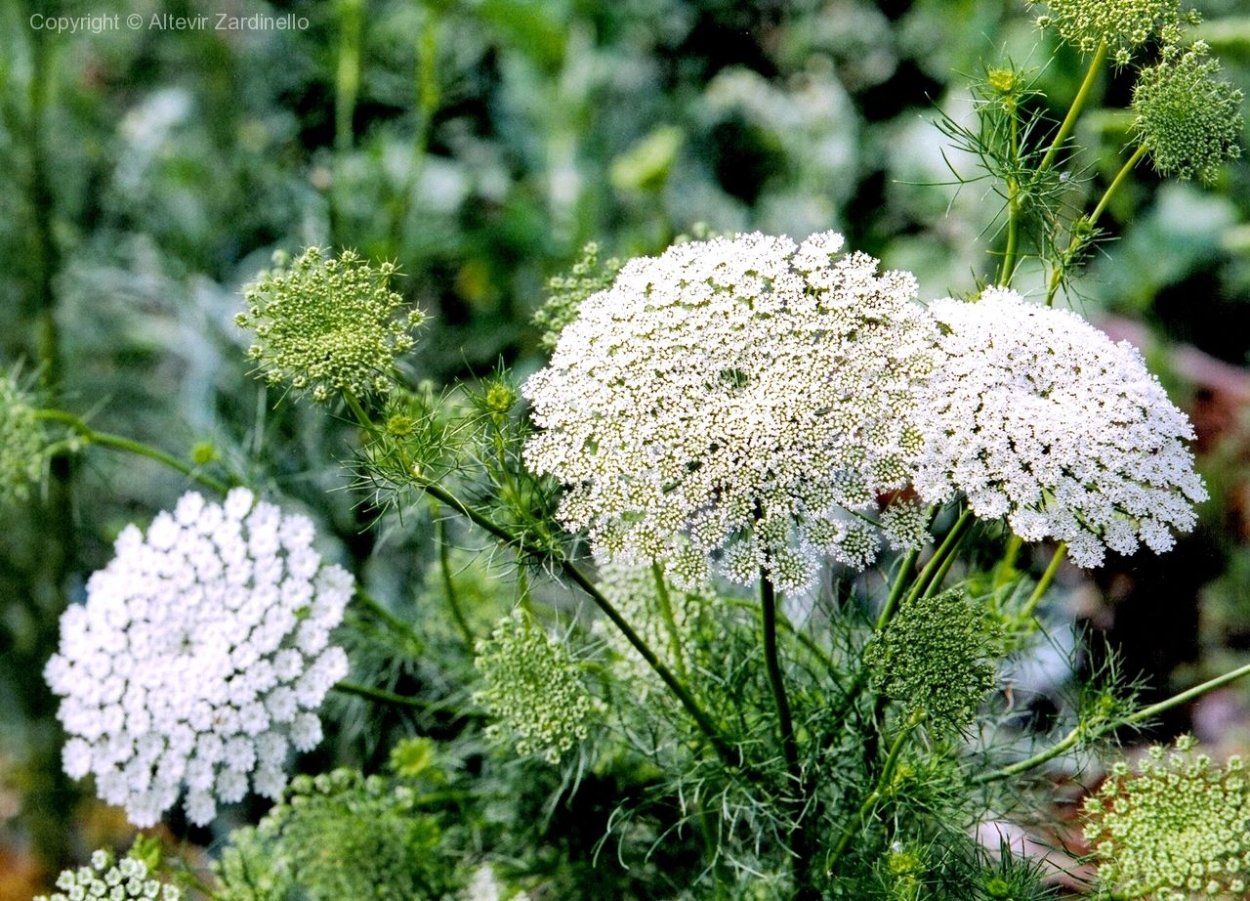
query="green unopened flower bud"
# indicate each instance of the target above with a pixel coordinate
(22, 441)
(1003, 81)
(325, 326)
(589, 275)
(1188, 118)
(204, 453)
(500, 396)
(936, 658)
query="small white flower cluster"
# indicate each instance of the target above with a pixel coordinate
(741, 402)
(200, 657)
(1035, 415)
(126, 879)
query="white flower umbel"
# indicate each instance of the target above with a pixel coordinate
(200, 657)
(114, 881)
(1037, 416)
(739, 401)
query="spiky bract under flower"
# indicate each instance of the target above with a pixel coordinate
(730, 401)
(936, 658)
(22, 441)
(1189, 119)
(533, 686)
(327, 326)
(1038, 417)
(1175, 829)
(199, 657)
(1124, 24)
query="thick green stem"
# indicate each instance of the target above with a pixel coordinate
(772, 662)
(1090, 732)
(1008, 268)
(1074, 111)
(131, 446)
(939, 559)
(1043, 583)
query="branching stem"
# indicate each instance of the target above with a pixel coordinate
(131, 446)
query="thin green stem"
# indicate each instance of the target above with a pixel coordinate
(1030, 606)
(131, 446)
(382, 696)
(670, 621)
(1074, 111)
(449, 585)
(731, 756)
(1085, 226)
(1091, 732)
(878, 792)
(378, 609)
(935, 583)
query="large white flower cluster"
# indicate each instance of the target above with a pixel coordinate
(1035, 415)
(200, 657)
(739, 402)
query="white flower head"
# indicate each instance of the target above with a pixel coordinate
(104, 878)
(190, 666)
(1038, 417)
(740, 402)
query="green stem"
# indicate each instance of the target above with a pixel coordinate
(1007, 269)
(732, 757)
(1056, 277)
(382, 696)
(1044, 582)
(1074, 111)
(131, 446)
(896, 590)
(799, 635)
(378, 609)
(1120, 176)
(449, 586)
(670, 621)
(875, 796)
(939, 576)
(945, 550)
(1091, 732)
(785, 721)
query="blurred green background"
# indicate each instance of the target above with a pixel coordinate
(147, 172)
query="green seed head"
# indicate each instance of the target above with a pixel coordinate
(1189, 119)
(325, 326)
(22, 441)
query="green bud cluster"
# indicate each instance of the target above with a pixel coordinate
(1188, 118)
(565, 293)
(936, 657)
(339, 835)
(326, 325)
(1124, 24)
(534, 688)
(22, 442)
(1177, 828)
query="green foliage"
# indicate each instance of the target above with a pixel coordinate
(341, 835)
